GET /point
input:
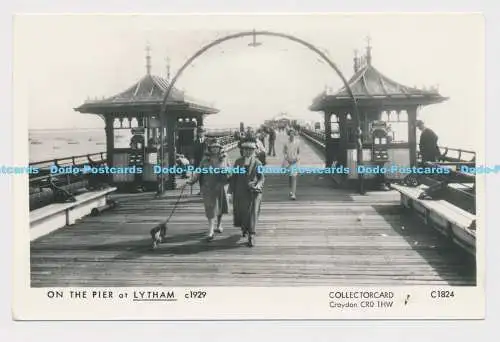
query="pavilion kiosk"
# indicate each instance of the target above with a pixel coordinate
(280, 121)
(382, 103)
(137, 109)
(186, 134)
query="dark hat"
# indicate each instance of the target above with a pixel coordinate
(213, 143)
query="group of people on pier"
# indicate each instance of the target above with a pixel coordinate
(243, 190)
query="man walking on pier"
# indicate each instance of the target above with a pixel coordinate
(291, 151)
(428, 143)
(200, 147)
(272, 142)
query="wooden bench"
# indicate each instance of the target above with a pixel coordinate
(55, 216)
(451, 221)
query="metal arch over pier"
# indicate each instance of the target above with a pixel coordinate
(254, 33)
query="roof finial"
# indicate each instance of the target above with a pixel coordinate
(254, 42)
(168, 68)
(148, 58)
(368, 50)
(356, 61)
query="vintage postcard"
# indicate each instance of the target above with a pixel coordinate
(193, 167)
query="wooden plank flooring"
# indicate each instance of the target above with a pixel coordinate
(326, 237)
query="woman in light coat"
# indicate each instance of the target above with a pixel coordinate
(213, 188)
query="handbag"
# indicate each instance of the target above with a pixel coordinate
(262, 157)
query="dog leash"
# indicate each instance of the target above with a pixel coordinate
(176, 203)
(159, 231)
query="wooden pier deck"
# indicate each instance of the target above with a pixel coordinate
(326, 237)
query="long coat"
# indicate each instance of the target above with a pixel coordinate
(213, 189)
(200, 148)
(247, 194)
(428, 145)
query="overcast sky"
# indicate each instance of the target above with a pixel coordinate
(62, 60)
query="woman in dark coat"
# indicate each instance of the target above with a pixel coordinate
(246, 189)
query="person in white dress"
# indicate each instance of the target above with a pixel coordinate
(291, 153)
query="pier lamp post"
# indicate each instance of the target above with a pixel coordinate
(254, 34)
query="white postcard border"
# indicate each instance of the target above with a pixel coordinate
(221, 303)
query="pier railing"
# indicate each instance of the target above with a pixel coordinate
(68, 161)
(39, 179)
(454, 156)
(315, 136)
(46, 187)
(457, 187)
(215, 132)
(457, 155)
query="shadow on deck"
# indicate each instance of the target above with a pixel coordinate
(452, 263)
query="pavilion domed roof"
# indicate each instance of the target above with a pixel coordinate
(368, 82)
(148, 88)
(372, 88)
(148, 92)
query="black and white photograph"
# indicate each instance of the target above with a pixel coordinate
(251, 151)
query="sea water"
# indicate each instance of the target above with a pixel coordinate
(61, 143)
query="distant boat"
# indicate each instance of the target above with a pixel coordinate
(100, 143)
(35, 142)
(73, 142)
